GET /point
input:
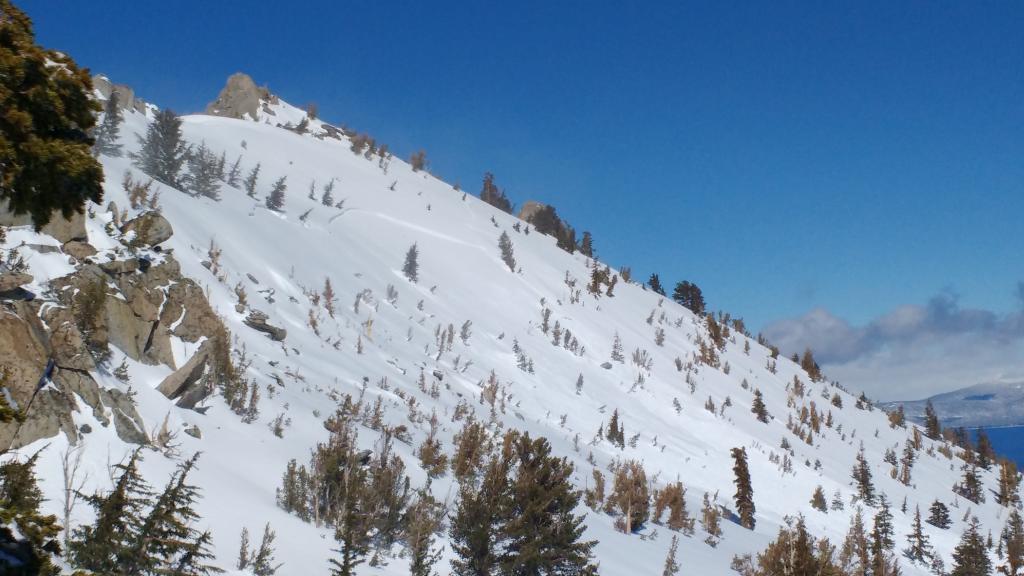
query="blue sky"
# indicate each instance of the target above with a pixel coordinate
(853, 158)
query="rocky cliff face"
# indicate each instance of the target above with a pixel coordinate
(241, 98)
(126, 99)
(133, 298)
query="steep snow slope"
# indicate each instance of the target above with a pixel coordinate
(360, 247)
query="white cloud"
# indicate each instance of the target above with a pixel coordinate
(913, 351)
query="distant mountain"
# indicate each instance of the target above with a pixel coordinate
(990, 404)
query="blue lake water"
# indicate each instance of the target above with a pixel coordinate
(1008, 442)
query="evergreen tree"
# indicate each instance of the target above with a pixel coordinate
(810, 365)
(234, 176)
(986, 453)
(107, 545)
(542, 534)
(275, 201)
(1012, 540)
(792, 554)
(493, 196)
(710, 521)
(818, 501)
(163, 150)
(938, 515)
(411, 267)
(689, 296)
(758, 407)
(48, 111)
(654, 283)
(167, 541)
(587, 245)
(423, 520)
(970, 558)
(251, 180)
(862, 477)
(29, 541)
(918, 550)
(1009, 481)
(327, 198)
(203, 178)
(855, 555)
(505, 244)
(630, 497)
(108, 132)
(351, 517)
(970, 487)
(882, 536)
(474, 529)
(932, 428)
(744, 492)
(671, 565)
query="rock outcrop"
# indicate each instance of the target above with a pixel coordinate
(529, 209)
(61, 228)
(258, 321)
(241, 98)
(126, 99)
(150, 229)
(136, 304)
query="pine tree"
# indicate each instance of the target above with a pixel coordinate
(505, 244)
(758, 407)
(33, 548)
(587, 245)
(744, 492)
(106, 546)
(882, 535)
(854, 557)
(970, 487)
(671, 565)
(792, 554)
(710, 520)
(862, 477)
(617, 354)
(542, 533)
(275, 200)
(970, 558)
(234, 176)
(986, 453)
(163, 150)
(474, 529)
(251, 180)
(630, 497)
(422, 522)
(654, 283)
(932, 428)
(938, 515)
(167, 541)
(919, 550)
(1009, 481)
(818, 499)
(411, 267)
(48, 111)
(689, 296)
(1012, 540)
(203, 178)
(350, 515)
(108, 133)
(493, 196)
(327, 198)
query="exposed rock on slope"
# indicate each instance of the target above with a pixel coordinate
(241, 98)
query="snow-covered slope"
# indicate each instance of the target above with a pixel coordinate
(281, 258)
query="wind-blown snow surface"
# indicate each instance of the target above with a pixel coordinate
(461, 277)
